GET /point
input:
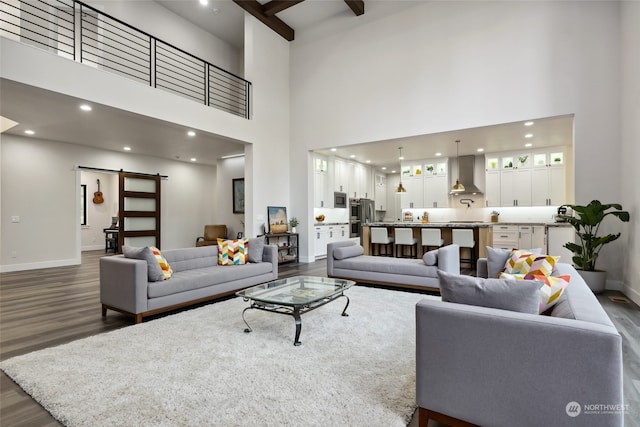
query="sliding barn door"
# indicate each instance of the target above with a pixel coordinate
(139, 210)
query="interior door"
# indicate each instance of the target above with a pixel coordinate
(139, 214)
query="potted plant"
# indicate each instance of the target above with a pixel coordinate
(293, 223)
(586, 220)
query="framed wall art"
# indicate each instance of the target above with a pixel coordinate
(277, 216)
(238, 195)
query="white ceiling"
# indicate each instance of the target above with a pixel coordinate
(57, 117)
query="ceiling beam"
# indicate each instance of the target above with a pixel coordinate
(357, 6)
(276, 6)
(273, 22)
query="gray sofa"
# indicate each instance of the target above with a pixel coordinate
(125, 285)
(495, 367)
(345, 261)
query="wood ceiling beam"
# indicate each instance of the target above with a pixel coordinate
(357, 6)
(275, 6)
(273, 22)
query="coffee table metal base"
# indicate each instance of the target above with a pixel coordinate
(296, 311)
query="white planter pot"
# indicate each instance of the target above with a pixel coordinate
(596, 280)
(293, 230)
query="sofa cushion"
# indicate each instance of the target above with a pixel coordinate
(492, 293)
(233, 252)
(348, 252)
(497, 258)
(193, 257)
(551, 287)
(376, 264)
(154, 272)
(523, 262)
(430, 258)
(256, 249)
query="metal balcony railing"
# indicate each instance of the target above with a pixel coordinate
(79, 32)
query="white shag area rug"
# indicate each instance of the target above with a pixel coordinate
(198, 368)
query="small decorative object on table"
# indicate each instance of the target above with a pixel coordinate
(494, 216)
(293, 223)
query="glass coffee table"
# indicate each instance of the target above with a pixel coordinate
(294, 296)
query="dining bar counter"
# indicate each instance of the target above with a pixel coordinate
(482, 233)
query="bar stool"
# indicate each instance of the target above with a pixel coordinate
(431, 237)
(379, 236)
(404, 237)
(464, 239)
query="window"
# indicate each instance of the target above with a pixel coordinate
(83, 204)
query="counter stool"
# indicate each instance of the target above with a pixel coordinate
(404, 237)
(379, 236)
(464, 239)
(431, 237)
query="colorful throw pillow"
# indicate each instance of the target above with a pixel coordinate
(525, 262)
(167, 272)
(551, 287)
(233, 252)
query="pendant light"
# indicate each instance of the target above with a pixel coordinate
(400, 188)
(457, 187)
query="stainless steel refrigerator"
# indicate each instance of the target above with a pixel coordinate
(362, 213)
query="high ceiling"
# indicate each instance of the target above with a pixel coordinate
(57, 117)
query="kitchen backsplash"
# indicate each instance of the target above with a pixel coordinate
(541, 214)
(331, 215)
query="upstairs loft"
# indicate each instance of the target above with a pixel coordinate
(77, 31)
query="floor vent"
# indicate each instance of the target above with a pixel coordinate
(618, 299)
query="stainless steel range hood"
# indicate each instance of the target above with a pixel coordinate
(465, 175)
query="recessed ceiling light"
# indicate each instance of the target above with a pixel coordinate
(368, 161)
(384, 168)
(204, 2)
(85, 107)
(334, 149)
(528, 123)
(529, 135)
(393, 171)
(480, 150)
(191, 133)
(353, 156)
(126, 148)
(438, 154)
(528, 144)
(193, 159)
(29, 132)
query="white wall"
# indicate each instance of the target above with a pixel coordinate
(228, 170)
(630, 152)
(40, 183)
(440, 66)
(165, 25)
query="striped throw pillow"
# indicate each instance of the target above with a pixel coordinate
(167, 272)
(233, 252)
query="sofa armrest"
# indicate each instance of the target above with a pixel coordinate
(330, 248)
(497, 367)
(482, 269)
(270, 254)
(123, 283)
(449, 259)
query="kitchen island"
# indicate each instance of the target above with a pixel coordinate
(482, 233)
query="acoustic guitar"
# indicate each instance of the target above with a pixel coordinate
(97, 196)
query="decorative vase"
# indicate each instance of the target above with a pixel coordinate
(596, 280)
(293, 230)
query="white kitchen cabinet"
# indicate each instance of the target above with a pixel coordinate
(324, 234)
(321, 197)
(505, 236)
(436, 183)
(548, 186)
(414, 197)
(523, 236)
(515, 187)
(340, 176)
(380, 192)
(359, 186)
(492, 188)
(557, 236)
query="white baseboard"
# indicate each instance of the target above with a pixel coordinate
(92, 248)
(632, 294)
(37, 265)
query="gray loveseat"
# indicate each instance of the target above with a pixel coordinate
(125, 285)
(495, 367)
(345, 261)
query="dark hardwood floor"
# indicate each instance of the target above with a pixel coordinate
(53, 306)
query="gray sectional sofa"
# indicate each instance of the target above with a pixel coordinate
(496, 367)
(125, 284)
(345, 260)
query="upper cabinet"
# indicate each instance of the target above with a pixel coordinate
(321, 188)
(427, 184)
(525, 178)
(380, 191)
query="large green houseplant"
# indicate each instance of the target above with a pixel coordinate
(587, 220)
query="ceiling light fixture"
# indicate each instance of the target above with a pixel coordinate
(528, 144)
(400, 188)
(480, 150)
(193, 159)
(204, 2)
(334, 149)
(126, 148)
(529, 135)
(85, 107)
(191, 133)
(438, 154)
(353, 156)
(457, 187)
(384, 168)
(528, 123)
(29, 132)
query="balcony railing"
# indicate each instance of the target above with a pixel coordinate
(79, 32)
